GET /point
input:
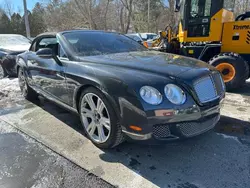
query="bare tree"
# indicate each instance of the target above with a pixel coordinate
(86, 9)
(115, 15)
(241, 6)
(172, 14)
(128, 5)
(105, 14)
(8, 7)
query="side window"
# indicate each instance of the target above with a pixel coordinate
(49, 42)
(208, 5)
(61, 52)
(33, 47)
(200, 8)
(194, 9)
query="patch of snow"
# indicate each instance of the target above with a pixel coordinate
(229, 137)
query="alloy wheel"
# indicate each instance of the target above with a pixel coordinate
(22, 82)
(95, 118)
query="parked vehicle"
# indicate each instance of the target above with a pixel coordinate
(210, 31)
(136, 37)
(10, 46)
(119, 88)
(148, 36)
(142, 36)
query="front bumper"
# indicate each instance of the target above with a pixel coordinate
(178, 125)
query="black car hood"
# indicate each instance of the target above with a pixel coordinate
(152, 61)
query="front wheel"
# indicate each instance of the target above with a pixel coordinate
(99, 119)
(26, 91)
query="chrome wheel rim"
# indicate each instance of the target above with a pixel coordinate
(95, 118)
(22, 82)
(1, 72)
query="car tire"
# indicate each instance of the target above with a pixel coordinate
(94, 110)
(3, 72)
(234, 69)
(26, 90)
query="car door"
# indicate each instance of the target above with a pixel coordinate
(47, 72)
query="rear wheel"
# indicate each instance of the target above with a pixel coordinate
(233, 68)
(3, 72)
(26, 91)
(99, 119)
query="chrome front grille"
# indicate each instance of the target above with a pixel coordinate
(219, 83)
(209, 88)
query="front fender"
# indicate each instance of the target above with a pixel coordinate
(21, 61)
(116, 91)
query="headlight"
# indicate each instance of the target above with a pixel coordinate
(151, 95)
(175, 94)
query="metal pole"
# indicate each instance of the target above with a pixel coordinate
(148, 15)
(26, 19)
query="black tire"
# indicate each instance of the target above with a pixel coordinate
(240, 65)
(26, 90)
(116, 136)
(3, 72)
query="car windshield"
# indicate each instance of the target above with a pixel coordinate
(151, 36)
(9, 40)
(86, 43)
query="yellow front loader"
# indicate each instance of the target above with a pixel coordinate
(209, 31)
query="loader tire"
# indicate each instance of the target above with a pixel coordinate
(233, 68)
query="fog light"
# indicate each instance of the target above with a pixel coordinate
(135, 128)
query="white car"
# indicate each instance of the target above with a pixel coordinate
(148, 36)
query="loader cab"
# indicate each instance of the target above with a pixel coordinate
(202, 20)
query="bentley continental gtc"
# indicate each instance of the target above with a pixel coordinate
(120, 89)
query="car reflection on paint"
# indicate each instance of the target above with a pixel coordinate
(120, 89)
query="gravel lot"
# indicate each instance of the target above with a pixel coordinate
(220, 158)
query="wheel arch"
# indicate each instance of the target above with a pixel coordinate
(20, 62)
(99, 86)
(210, 51)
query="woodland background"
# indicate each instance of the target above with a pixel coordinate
(114, 15)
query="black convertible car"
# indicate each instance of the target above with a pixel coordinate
(120, 89)
(10, 46)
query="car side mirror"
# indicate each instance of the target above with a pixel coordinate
(45, 53)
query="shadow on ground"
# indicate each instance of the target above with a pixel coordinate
(61, 114)
(244, 90)
(214, 158)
